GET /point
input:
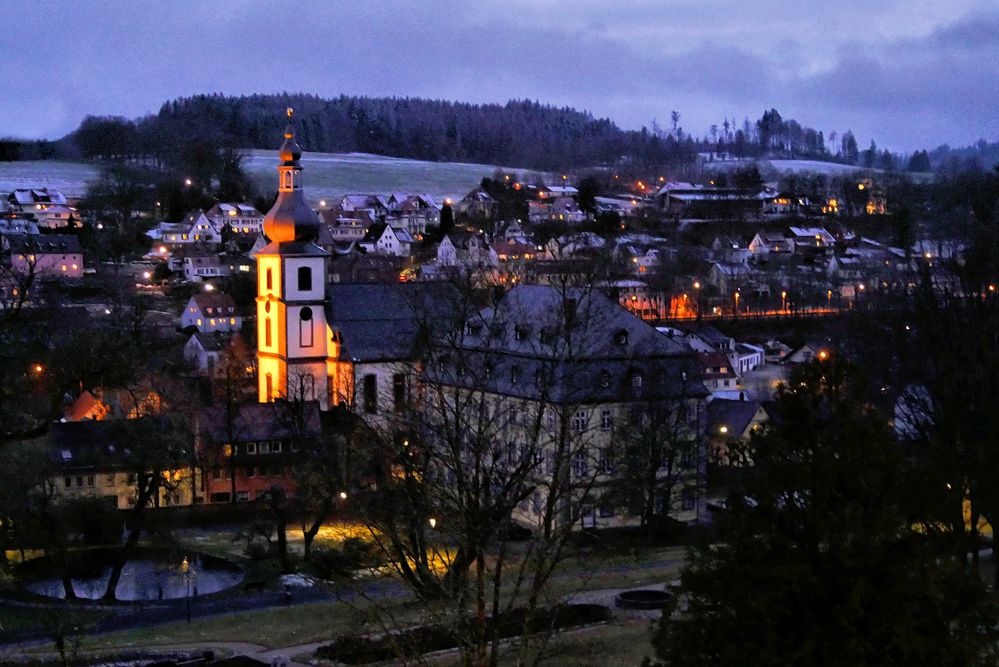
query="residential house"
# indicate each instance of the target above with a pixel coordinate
(211, 312)
(810, 239)
(730, 250)
(203, 351)
(47, 256)
(476, 204)
(200, 264)
(717, 373)
(95, 459)
(254, 449)
(35, 200)
(686, 200)
(766, 243)
(731, 421)
(57, 216)
(706, 338)
(565, 209)
(808, 352)
(728, 277)
(241, 218)
(463, 249)
(414, 212)
(384, 239)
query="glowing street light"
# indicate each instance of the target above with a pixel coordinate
(39, 368)
(432, 522)
(209, 287)
(343, 495)
(188, 182)
(147, 275)
(322, 203)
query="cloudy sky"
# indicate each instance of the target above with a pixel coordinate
(909, 74)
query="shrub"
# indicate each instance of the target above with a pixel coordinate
(358, 650)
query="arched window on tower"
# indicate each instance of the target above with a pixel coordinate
(267, 332)
(268, 387)
(286, 179)
(304, 279)
(269, 279)
(305, 327)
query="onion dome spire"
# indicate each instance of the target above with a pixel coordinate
(291, 218)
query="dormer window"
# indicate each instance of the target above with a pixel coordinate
(520, 332)
(636, 380)
(621, 338)
(514, 374)
(605, 379)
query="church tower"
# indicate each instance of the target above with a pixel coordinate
(291, 292)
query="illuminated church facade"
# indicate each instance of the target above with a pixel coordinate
(297, 352)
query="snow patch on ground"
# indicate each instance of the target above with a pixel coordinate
(297, 581)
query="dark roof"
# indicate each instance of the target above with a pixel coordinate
(736, 415)
(382, 322)
(606, 329)
(92, 445)
(211, 342)
(716, 359)
(45, 244)
(515, 348)
(293, 248)
(258, 421)
(218, 301)
(706, 332)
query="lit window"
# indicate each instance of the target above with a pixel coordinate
(199, 321)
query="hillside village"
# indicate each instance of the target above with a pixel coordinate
(684, 260)
(600, 355)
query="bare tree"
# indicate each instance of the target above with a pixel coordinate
(501, 423)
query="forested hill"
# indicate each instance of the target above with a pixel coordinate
(518, 133)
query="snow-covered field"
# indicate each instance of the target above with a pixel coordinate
(70, 178)
(793, 166)
(329, 175)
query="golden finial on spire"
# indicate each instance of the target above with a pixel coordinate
(290, 112)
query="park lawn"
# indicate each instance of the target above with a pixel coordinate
(273, 628)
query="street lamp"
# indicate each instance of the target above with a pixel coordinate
(433, 522)
(185, 570)
(783, 300)
(188, 182)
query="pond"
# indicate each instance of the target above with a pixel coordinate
(150, 575)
